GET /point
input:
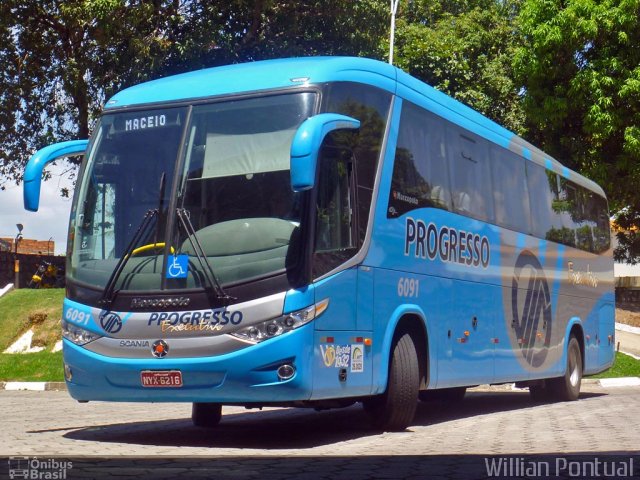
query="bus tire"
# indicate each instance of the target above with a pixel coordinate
(567, 387)
(448, 395)
(395, 408)
(206, 415)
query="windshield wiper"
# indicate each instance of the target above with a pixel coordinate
(109, 294)
(207, 270)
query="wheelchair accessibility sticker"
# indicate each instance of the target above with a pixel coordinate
(177, 266)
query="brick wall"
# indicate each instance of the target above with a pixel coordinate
(29, 246)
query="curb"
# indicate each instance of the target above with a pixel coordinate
(6, 289)
(34, 386)
(620, 382)
(62, 386)
(627, 328)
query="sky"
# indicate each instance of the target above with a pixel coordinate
(52, 218)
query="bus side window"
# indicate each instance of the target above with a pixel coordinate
(546, 221)
(335, 218)
(420, 172)
(336, 215)
(510, 192)
(470, 176)
(599, 214)
(371, 106)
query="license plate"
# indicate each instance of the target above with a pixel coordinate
(160, 379)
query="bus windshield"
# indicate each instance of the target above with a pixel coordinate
(233, 188)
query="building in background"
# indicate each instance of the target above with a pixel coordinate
(5, 246)
(28, 246)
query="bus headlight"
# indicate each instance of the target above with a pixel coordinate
(77, 335)
(277, 326)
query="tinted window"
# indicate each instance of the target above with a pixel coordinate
(335, 216)
(371, 106)
(510, 192)
(438, 164)
(420, 177)
(567, 213)
(543, 190)
(335, 232)
(470, 175)
(599, 213)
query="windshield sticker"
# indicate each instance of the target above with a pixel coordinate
(448, 244)
(177, 266)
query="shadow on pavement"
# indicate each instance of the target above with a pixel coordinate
(291, 428)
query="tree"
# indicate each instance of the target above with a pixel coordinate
(579, 67)
(62, 59)
(218, 33)
(464, 49)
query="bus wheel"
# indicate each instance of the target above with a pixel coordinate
(394, 409)
(448, 395)
(206, 415)
(567, 387)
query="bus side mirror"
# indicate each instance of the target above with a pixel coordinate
(33, 171)
(306, 145)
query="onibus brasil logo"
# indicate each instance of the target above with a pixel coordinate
(531, 309)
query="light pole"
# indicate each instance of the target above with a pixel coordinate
(392, 33)
(49, 246)
(16, 262)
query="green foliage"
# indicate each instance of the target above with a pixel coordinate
(623, 366)
(32, 367)
(564, 74)
(464, 49)
(17, 306)
(62, 59)
(579, 65)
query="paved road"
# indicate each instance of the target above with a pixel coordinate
(493, 422)
(628, 342)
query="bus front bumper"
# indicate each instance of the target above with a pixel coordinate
(246, 376)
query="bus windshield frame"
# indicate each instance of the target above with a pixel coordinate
(224, 164)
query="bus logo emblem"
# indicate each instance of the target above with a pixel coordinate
(159, 349)
(531, 309)
(110, 322)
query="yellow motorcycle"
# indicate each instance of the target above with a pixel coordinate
(47, 275)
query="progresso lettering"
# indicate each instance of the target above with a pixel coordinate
(448, 244)
(209, 317)
(142, 123)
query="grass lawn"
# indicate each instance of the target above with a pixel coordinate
(623, 366)
(31, 367)
(25, 308)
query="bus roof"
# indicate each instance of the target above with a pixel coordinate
(291, 72)
(255, 76)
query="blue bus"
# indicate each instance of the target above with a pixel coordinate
(316, 232)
